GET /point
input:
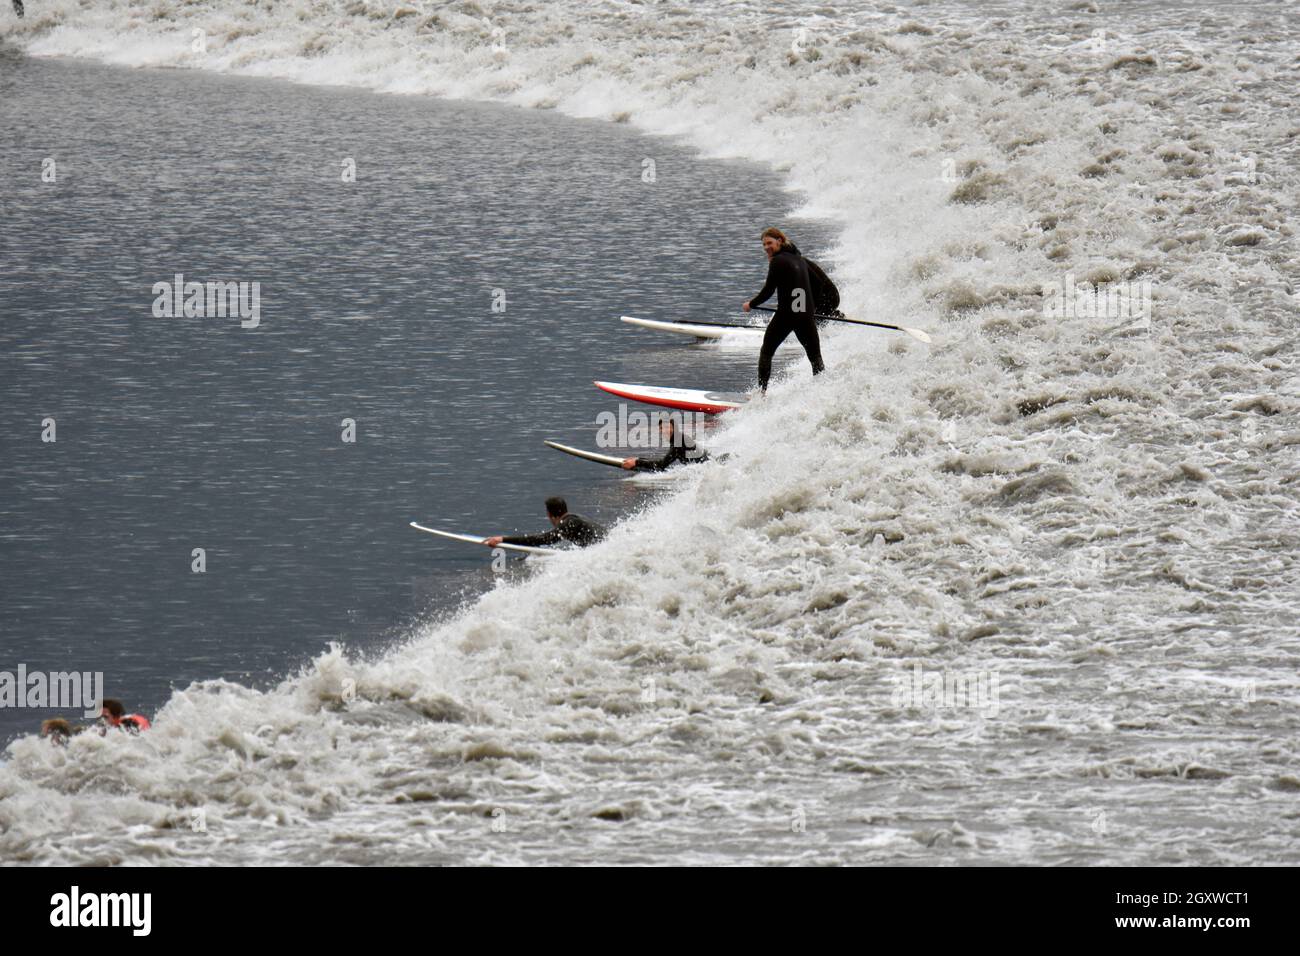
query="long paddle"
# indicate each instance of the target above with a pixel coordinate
(917, 334)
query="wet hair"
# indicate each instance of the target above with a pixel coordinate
(113, 706)
(556, 507)
(669, 418)
(771, 232)
(56, 727)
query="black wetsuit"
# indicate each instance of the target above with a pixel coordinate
(18, 8)
(581, 531)
(787, 276)
(686, 453)
(826, 297)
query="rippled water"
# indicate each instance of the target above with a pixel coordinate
(1090, 523)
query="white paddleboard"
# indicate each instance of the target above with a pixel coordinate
(742, 333)
(687, 399)
(588, 455)
(473, 539)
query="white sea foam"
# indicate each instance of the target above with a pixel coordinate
(1101, 518)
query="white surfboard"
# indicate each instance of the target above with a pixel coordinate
(747, 334)
(588, 455)
(655, 477)
(474, 539)
(688, 399)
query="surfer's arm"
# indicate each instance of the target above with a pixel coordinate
(768, 287)
(657, 463)
(685, 454)
(540, 540)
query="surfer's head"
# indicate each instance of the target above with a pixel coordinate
(57, 729)
(112, 711)
(774, 241)
(667, 426)
(556, 508)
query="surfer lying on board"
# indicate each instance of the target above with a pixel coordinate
(567, 527)
(683, 452)
(788, 277)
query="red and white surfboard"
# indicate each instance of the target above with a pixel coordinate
(687, 399)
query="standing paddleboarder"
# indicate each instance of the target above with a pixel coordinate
(788, 277)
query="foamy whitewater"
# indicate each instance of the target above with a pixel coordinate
(1096, 517)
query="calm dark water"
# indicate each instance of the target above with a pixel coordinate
(376, 305)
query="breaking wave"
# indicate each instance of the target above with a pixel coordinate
(1098, 513)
